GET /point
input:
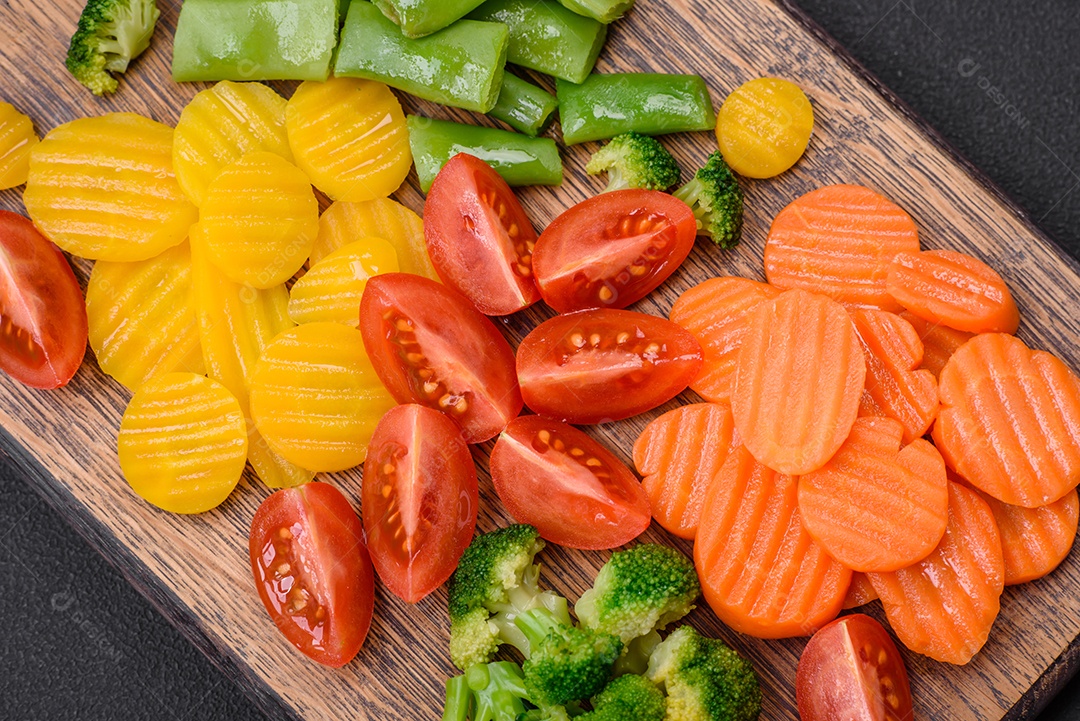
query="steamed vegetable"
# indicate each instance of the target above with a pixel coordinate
(110, 34)
(633, 160)
(523, 106)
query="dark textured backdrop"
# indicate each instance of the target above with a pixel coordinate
(999, 78)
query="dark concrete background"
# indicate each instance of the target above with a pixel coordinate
(999, 78)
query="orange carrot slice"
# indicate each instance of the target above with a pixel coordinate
(939, 342)
(678, 455)
(797, 385)
(875, 507)
(1034, 540)
(943, 606)
(860, 593)
(1010, 420)
(760, 571)
(894, 386)
(717, 313)
(953, 289)
(839, 241)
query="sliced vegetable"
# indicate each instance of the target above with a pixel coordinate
(596, 366)
(418, 18)
(612, 250)
(1034, 541)
(603, 106)
(764, 126)
(797, 385)
(606, 11)
(342, 223)
(717, 201)
(939, 342)
(479, 238)
(635, 161)
(43, 325)
(523, 106)
(17, 139)
(419, 500)
(461, 66)
(860, 593)
(519, 159)
(110, 34)
(330, 291)
(546, 37)
(575, 492)
(254, 40)
(431, 346)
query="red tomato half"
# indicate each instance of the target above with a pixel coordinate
(612, 250)
(313, 572)
(570, 487)
(419, 500)
(605, 365)
(430, 346)
(852, 670)
(42, 311)
(479, 238)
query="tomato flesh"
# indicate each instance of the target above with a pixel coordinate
(43, 328)
(603, 365)
(313, 572)
(479, 238)
(419, 499)
(612, 250)
(570, 487)
(852, 670)
(430, 346)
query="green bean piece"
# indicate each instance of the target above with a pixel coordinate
(648, 103)
(606, 11)
(519, 159)
(461, 65)
(523, 106)
(418, 18)
(546, 37)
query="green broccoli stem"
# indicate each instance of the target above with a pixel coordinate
(498, 689)
(537, 624)
(458, 699)
(526, 597)
(692, 194)
(635, 659)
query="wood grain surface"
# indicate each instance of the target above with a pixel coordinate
(195, 569)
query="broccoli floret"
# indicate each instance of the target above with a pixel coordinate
(495, 581)
(110, 34)
(639, 591)
(628, 697)
(565, 663)
(633, 160)
(486, 692)
(717, 201)
(704, 679)
(549, 713)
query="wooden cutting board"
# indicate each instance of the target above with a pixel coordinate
(195, 569)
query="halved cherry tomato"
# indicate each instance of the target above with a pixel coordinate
(851, 670)
(419, 499)
(612, 250)
(479, 238)
(313, 572)
(605, 365)
(430, 346)
(570, 487)
(42, 313)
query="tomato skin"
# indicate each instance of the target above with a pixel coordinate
(430, 346)
(419, 482)
(479, 238)
(852, 670)
(613, 249)
(322, 600)
(570, 487)
(574, 368)
(43, 327)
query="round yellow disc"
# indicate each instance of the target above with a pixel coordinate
(764, 127)
(17, 139)
(332, 288)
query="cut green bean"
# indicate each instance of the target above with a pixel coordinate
(606, 11)
(461, 65)
(546, 37)
(519, 159)
(418, 18)
(651, 104)
(523, 106)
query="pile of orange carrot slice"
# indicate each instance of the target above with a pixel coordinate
(872, 429)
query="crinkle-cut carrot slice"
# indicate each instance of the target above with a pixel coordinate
(939, 342)
(873, 506)
(760, 571)
(860, 593)
(17, 139)
(1010, 420)
(343, 223)
(839, 241)
(800, 374)
(953, 289)
(678, 455)
(895, 387)
(717, 313)
(1034, 540)
(943, 606)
